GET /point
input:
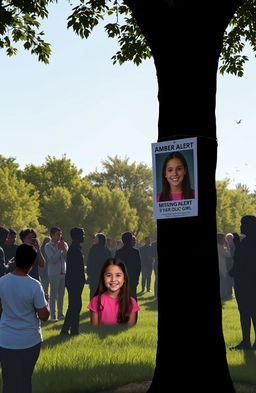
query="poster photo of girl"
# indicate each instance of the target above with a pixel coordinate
(175, 178)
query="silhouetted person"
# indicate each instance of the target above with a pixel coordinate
(147, 258)
(43, 271)
(10, 248)
(131, 257)
(244, 273)
(155, 255)
(29, 236)
(4, 232)
(74, 281)
(98, 254)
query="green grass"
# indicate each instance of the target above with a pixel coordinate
(111, 356)
(99, 358)
(242, 364)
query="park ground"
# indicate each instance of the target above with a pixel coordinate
(117, 359)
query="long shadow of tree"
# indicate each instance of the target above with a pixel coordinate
(89, 380)
(245, 373)
(85, 327)
(149, 303)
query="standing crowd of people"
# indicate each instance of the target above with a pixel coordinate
(29, 271)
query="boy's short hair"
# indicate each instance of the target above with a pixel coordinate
(54, 230)
(25, 256)
(127, 237)
(25, 232)
(75, 232)
(4, 232)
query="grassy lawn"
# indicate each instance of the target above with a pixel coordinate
(242, 364)
(99, 358)
(111, 356)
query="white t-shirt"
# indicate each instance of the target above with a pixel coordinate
(20, 327)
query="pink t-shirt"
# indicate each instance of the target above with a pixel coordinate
(110, 308)
(174, 196)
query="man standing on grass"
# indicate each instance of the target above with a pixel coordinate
(147, 259)
(131, 257)
(75, 280)
(56, 252)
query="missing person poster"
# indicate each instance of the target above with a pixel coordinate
(175, 178)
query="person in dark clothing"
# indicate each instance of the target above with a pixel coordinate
(10, 248)
(29, 236)
(244, 273)
(74, 281)
(155, 255)
(131, 257)
(98, 254)
(4, 232)
(147, 259)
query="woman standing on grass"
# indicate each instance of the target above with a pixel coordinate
(23, 303)
(112, 303)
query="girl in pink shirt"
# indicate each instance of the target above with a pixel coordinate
(175, 179)
(112, 302)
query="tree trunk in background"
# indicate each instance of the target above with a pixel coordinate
(186, 39)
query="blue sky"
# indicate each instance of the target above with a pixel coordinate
(52, 109)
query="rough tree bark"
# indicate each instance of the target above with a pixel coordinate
(186, 40)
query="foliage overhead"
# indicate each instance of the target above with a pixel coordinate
(241, 31)
(20, 21)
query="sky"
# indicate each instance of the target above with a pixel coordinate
(78, 104)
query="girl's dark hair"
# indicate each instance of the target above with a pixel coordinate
(25, 256)
(125, 303)
(187, 191)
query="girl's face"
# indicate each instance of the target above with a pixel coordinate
(174, 173)
(113, 279)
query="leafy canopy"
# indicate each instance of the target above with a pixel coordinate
(20, 21)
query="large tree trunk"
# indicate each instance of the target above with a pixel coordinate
(186, 39)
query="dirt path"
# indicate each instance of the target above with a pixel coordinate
(139, 387)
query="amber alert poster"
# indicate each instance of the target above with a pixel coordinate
(175, 189)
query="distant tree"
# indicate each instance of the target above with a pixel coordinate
(223, 210)
(243, 188)
(232, 204)
(136, 181)
(9, 163)
(56, 172)
(111, 212)
(19, 203)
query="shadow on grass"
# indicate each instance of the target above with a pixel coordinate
(90, 380)
(84, 328)
(245, 373)
(150, 303)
